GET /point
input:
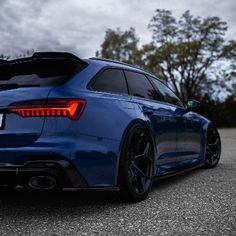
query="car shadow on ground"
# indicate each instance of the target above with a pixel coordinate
(70, 198)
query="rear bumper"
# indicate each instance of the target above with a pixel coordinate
(94, 159)
(61, 170)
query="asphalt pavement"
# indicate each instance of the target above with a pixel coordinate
(200, 202)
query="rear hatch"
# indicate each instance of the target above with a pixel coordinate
(30, 80)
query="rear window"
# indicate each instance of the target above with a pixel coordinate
(111, 81)
(37, 72)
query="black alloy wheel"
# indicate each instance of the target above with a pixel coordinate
(213, 148)
(136, 165)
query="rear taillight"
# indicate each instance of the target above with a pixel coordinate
(71, 108)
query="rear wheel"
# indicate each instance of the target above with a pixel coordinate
(136, 165)
(213, 148)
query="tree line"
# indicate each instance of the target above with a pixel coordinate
(190, 54)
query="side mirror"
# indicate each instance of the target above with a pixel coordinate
(192, 104)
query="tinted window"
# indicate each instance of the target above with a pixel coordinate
(112, 81)
(140, 86)
(37, 72)
(167, 94)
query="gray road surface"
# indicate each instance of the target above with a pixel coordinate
(201, 202)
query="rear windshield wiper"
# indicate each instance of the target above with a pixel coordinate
(13, 86)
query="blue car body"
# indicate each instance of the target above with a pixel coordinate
(92, 144)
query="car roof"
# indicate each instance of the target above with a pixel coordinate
(118, 64)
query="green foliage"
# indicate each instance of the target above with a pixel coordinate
(222, 114)
(190, 54)
(120, 45)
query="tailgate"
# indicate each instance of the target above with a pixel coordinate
(27, 80)
(14, 129)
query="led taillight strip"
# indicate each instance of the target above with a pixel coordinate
(53, 108)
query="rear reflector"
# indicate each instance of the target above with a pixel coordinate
(71, 108)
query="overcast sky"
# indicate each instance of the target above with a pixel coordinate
(79, 26)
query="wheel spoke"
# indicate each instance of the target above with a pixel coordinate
(146, 150)
(137, 146)
(144, 154)
(212, 135)
(150, 159)
(140, 161)
(139, 157)
(132, 175)
(143, 181)
(212, 150)
(138, 171)
(209, 151)
(215, 144)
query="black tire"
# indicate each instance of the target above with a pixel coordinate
(136, 168)
(213, 148)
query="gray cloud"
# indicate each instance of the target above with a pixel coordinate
(79, 26)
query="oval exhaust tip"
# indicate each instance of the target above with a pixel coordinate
(42, 182)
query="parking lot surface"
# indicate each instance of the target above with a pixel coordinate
(200, 202)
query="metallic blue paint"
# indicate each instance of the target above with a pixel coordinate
(93, 143)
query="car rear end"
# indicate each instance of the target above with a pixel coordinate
(25, 85)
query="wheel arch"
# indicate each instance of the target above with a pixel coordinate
(147, 125)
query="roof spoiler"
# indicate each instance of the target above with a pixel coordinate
(42, 64)
(47, 56)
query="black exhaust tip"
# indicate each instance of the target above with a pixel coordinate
(42, 182)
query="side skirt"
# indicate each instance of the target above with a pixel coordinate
(97, 189)
(178, 171)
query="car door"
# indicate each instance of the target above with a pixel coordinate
(188, 129)
(189, 135)
(163, 121)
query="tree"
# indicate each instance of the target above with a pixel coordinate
(4, 57)
(120, 45)
(191, 54)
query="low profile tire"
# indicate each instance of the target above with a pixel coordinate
(136, 168)
(213, 148)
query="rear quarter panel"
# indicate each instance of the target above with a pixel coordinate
(92, 143)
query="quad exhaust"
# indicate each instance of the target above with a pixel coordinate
(42, 182)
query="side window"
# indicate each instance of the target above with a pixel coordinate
(111, 81)
(167, 94)
(139, 85)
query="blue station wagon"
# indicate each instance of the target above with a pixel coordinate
(95, 124)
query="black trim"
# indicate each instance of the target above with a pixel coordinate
(63, 55)
(126, 81)
(62, 170)
(146, 74)
(178, 171)
(3, 121)
(150, 79)
(11, 68)
(177, 159)
(99, 73)
(130, 90)
(97, 189)
(116, 62)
